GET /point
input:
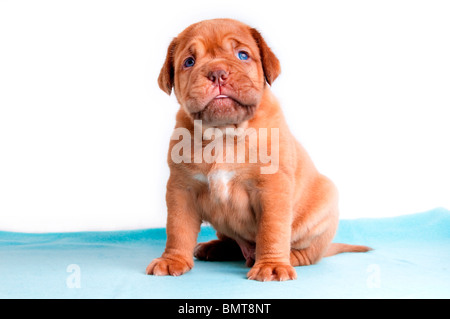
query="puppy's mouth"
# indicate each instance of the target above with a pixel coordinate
(223, 103)
(225, 110)
(221, 96)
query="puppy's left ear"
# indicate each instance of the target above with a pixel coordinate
(167, 74)
(270, 63)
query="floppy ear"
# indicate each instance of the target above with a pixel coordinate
(270, 63)
(167, 74)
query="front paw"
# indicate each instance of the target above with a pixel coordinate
(169, 266)
(272, 271)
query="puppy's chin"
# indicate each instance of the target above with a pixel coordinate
(224, 111)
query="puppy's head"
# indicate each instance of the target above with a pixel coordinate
(218, 69)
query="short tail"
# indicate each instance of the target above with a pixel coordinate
(336, 248)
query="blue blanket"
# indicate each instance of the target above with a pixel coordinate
(411, 259)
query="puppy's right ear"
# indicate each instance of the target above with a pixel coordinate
(167, 74)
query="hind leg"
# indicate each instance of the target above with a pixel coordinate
(313, 232)
(306, 256)
(309, 251)
(222, 249)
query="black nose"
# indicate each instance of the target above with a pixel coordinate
(218, 77)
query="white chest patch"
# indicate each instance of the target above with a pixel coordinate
(218, 182)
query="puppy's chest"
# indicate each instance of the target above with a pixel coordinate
(217, 185)
(225, 200)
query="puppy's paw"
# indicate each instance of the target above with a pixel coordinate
(168, 266)
(267, 271)
(218, 250)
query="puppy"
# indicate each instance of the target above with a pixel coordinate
(268, 204)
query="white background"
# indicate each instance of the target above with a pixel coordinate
(84, 128)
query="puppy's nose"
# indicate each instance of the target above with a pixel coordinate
(218, 77)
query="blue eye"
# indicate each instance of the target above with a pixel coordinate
(242, 55)
(189, 62)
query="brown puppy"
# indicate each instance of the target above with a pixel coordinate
(271, 207)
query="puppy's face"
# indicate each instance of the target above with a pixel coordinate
(218, 69)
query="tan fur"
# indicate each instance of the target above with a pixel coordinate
(274, 221)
